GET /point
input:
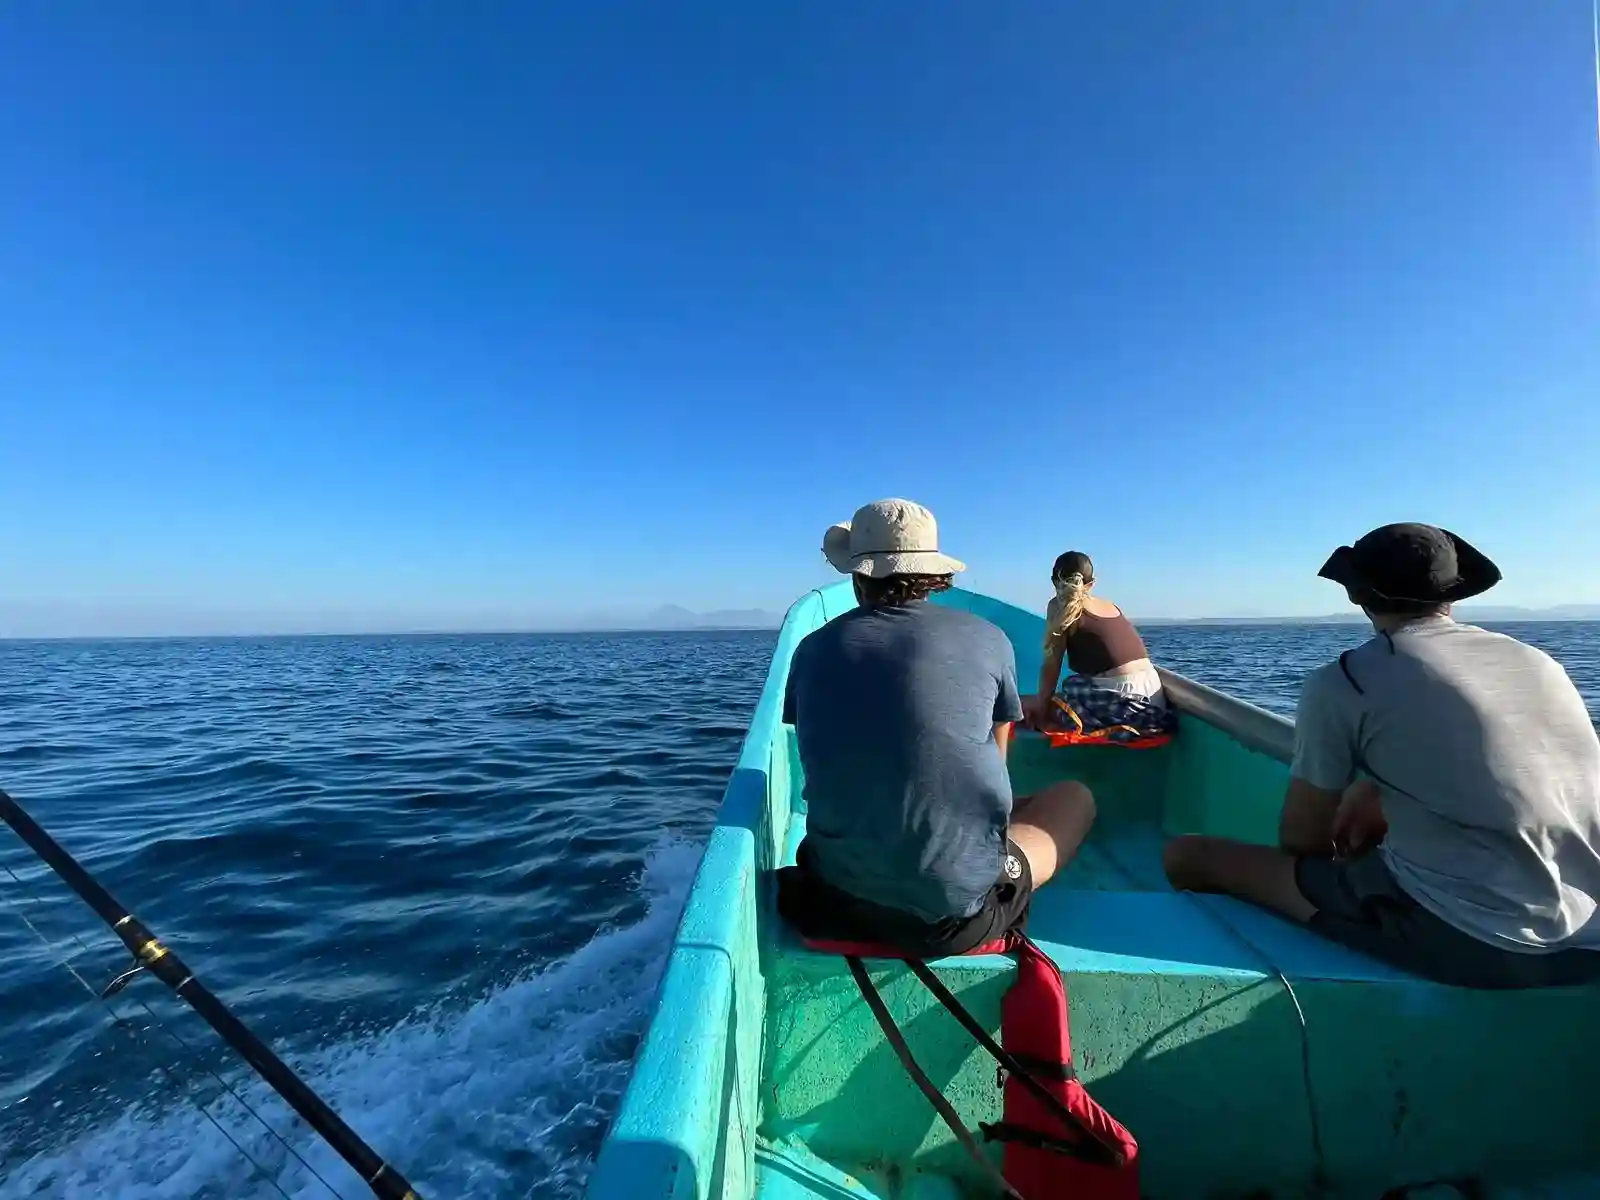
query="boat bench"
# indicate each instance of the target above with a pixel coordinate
(1183, 1029)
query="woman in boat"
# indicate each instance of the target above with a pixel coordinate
(1113, 692)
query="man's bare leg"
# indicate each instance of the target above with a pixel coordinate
(1263, 875)
(1050, 825)
(1310, 827)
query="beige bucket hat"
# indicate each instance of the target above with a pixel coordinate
(888, 537)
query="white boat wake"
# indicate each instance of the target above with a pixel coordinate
(506, 1098)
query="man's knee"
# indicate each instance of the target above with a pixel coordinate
(1063, 807)
(1050, 825)
(1064, 793)
(1078, 795)
(1186, 861)
(1176, 857)
(1069, 793)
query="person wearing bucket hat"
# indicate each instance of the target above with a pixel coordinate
(902, 710)
(1410, 570)
(1443, 810)
(889, 538)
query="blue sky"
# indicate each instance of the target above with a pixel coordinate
(447, 314)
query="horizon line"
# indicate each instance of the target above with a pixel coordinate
(1523, 615)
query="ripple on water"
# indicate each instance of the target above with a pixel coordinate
(538, 710)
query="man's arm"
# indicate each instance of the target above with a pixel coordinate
(1324, 764)
(1049, 676)
(791, 707)
(1007, 703)
(1306, 823)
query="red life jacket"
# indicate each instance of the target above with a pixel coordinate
(1059, 1143)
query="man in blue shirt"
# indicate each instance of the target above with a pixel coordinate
(903, 712)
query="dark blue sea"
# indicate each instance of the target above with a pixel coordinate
(440, 874)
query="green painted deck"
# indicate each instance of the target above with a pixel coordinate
(764, 1074)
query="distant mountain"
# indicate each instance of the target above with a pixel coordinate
(1561, 612)
(1486, 613)
(1329, 619)
(672, 616)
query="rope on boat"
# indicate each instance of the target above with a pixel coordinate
(1321, 1174)
(1305, 1031)
(64, 960)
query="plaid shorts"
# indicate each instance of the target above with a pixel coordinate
(1082, 704)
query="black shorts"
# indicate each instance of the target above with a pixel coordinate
(1360, 905)
(819, 910)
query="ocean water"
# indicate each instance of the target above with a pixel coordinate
(440, 874)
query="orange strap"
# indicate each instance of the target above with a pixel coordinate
(1099, 737)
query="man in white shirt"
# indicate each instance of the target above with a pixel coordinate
(1443, 811)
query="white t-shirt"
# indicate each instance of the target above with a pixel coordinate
(1489, 768)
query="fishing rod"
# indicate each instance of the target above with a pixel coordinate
(151, 955)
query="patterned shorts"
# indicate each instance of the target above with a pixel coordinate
(1083, 705)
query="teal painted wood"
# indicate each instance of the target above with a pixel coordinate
(687, 1125)
(762, 1070)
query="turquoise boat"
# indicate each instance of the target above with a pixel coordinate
(1249, 1057)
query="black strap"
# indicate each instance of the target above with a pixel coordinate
(1042, 1069)
(897, 1043)
(1345, 667)
(1089, 1146)
(1004, 1131)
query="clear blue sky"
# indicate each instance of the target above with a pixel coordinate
(445, 313)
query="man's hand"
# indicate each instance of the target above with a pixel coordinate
(1033, 710)
(1359, 824)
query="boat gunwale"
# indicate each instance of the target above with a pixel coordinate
(1248, 724)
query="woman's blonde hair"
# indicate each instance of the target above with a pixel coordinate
(1072, 575)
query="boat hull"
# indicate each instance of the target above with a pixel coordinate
(1247, 1055)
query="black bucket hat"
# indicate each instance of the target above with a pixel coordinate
(1416, 564)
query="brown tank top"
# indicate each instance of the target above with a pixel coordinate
(1100, 644)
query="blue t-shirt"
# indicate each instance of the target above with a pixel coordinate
(908, 799)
